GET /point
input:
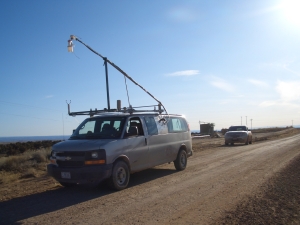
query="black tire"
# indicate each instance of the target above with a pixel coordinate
(232, 143)
(65, 184)
(250, 142)
(181, 160)
(120, 176)
(226, 143)
(247, 142)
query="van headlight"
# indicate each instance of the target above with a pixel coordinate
(94, 155)
(53, 158)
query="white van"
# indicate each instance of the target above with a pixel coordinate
(114, 145)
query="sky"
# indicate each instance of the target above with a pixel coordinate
(225, 62)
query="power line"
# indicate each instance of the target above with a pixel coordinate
(13, 103)
(29, 116)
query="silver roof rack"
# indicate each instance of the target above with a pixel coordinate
(129, 110)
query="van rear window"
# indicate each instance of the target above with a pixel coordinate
(177, 124)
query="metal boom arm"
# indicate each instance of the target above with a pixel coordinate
(118, 68)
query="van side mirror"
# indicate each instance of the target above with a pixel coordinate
(73, 131)
(162, 120)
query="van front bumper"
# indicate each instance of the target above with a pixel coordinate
(80, 175)
(236, 140)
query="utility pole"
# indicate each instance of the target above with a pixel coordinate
(251, 124)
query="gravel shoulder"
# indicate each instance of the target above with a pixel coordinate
(221, 185)
(277, 201)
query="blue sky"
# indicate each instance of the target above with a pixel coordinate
(213, 61)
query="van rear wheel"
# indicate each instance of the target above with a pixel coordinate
(181, 160)
(120, 176)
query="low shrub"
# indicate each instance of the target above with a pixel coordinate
(41, 155)
(21, 147)
(30, 172)
(21, 163)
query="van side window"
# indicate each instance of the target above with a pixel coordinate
(176, 125)
(151, 125)
(134, 122)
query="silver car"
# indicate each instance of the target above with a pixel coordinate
(114, 145)
(238, 134)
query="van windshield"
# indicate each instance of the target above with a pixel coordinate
(99, 128)
(237, 128)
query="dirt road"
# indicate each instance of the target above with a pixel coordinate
(215, 181)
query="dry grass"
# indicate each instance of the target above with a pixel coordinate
(271, 129)
(29, 164)
(8, 177)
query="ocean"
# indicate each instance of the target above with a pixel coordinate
(33, 138)
(40, 138)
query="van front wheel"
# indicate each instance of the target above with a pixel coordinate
(120, 176)
(181, 160)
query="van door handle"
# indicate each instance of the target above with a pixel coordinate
(145, 141)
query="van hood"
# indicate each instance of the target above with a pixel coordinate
(81, 145)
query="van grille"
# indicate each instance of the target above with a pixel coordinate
(70, 163)
(71, 159)
(70, 154)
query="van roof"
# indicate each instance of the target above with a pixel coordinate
(120, 114)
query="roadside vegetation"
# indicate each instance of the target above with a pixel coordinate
(21, 147)
(24, 160)
(257, 130)
(272, 129)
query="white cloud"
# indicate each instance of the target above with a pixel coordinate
(289, 91)
(285, 65)
(221, 84)
(184, 73)
(258, 83)
(289, 95)
(49, 96)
